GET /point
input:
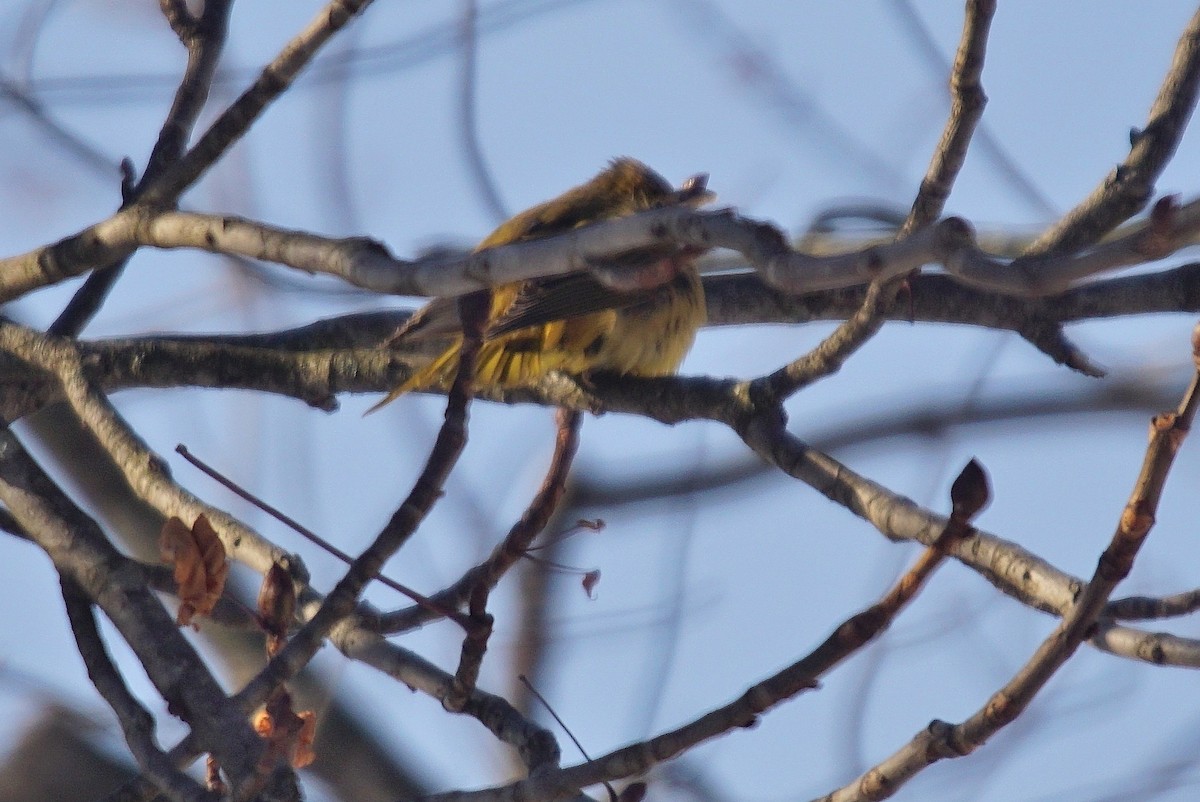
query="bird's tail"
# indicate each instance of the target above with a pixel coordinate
(431, 375)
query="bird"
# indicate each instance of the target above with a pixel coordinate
(573, 323)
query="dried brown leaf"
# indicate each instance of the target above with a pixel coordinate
(276, 606)
(289, 735)
(200, 565)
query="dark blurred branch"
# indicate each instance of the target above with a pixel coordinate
(423, 45)
(789, 101)
(85, 152)
(468, 114)
(204, 38)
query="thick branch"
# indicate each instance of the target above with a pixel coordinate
(82, 554)
(136, 722)
(366, 263)
(145, 471)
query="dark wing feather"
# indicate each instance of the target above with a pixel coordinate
(563, 297)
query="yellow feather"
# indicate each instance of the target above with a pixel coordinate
(642, 335)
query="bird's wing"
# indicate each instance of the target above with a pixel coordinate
(436, 319)
(563, 297)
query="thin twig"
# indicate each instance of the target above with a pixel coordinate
(423, 601)
(967, 100)
(520, 537)
(1129, 187)
(832, 352)
(941, 740)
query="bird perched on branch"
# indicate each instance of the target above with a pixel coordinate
(575, 323)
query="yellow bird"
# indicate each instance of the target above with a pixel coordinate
(574, 323)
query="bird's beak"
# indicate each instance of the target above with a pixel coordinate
(694, 192)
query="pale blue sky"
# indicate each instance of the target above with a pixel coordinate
(790, 107)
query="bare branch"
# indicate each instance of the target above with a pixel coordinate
(366, 263)
(967, 100)
(520, 537)
(275, 78)
(990, 147)
(536, 746)
(1168, 229)
(828, 357)
(1130, 186)
(145, 471)
(1156, 648)
(941, 740)
(204, 38)
(136, 722)
(447, 448)
(82, 554)
(1142, 608)
(800, 676)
